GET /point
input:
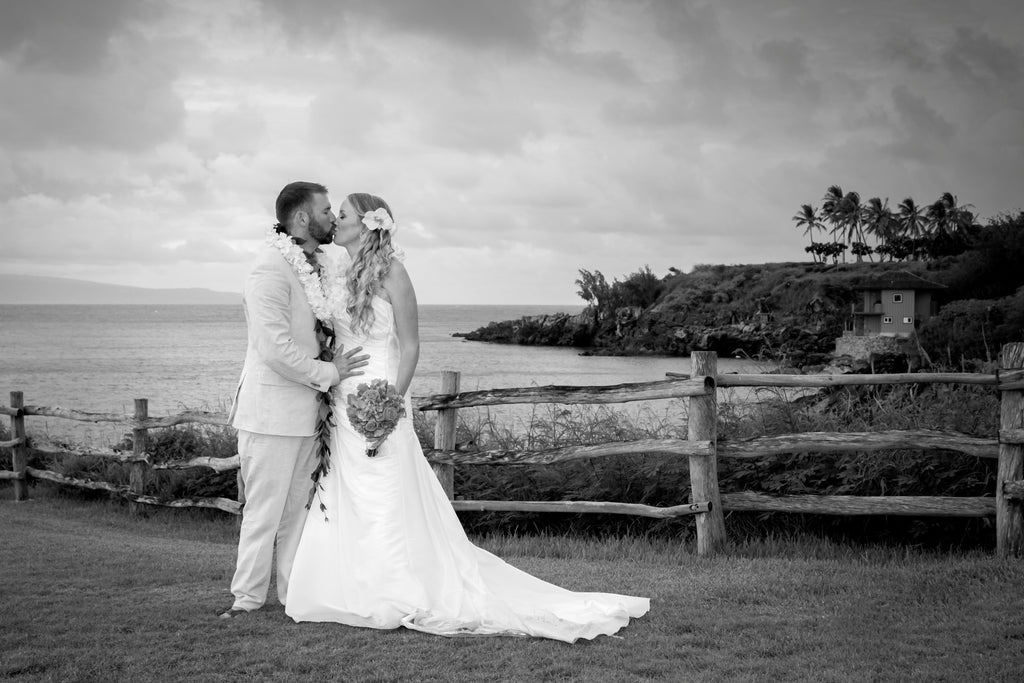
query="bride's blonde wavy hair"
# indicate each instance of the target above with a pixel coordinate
(371, 264)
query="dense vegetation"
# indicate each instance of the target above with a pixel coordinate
(793, 312)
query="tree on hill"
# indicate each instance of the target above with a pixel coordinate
(640, 289)
(946, 216)
(991, 268)
(913, 223)
(943, 228)
(851, 214)
(808, 219)
(832, 212)
(880, 223)
(594, 289)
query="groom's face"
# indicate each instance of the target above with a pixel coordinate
(321, 220)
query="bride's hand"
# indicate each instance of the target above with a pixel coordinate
(348, 361)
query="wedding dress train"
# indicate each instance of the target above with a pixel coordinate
(391, 551)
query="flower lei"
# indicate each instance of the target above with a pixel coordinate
(322, 292)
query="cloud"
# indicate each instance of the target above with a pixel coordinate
(208, 251)
(130, 109)
(976, 56)
(923, 132)
(517, 141)
(466, 24)
(907, 51)
(63, 36)
(79, 74)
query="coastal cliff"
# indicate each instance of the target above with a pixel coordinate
(790, 311)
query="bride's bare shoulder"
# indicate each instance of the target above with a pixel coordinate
(397, 282)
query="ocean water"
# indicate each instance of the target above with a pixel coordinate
(99, 358)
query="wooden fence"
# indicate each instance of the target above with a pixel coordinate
(701, 447)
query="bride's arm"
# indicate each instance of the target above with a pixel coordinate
(407, 327)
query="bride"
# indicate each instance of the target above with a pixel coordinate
(388, 549)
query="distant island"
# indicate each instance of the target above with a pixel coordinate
(40, 290)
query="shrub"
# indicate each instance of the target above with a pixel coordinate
(968, 409)
(974, 328)
(5, 453)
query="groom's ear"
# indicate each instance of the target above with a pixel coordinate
(302, 218)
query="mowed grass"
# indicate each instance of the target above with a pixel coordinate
(89, 592)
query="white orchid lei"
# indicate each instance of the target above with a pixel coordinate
(322, 289)
(324, 292)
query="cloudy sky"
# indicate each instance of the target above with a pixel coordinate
(143, 142)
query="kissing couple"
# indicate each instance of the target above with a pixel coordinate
(333, 474)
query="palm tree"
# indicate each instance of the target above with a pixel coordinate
(879, 221)
(913, 223)
(851, 213)
(832, 211)
(947, 217)
(830, 207)
(808, 219)
(937, 216)
(911, 219)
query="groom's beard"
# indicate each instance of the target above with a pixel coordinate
(322, 233)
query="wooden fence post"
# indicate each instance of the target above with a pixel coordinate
(137, 469)
(1009, 511)
(702, 425)
(19, 453)
(444, 433)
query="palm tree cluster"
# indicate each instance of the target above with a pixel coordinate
(911, 231)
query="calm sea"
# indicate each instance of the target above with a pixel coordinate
(99, 358)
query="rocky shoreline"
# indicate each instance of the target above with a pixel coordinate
(789, 313)
(637, 333)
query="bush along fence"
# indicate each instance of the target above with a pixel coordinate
(701, 447)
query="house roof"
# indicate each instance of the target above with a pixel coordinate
(902, 279)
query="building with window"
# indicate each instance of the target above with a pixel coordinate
(887, 311)
(893, 305)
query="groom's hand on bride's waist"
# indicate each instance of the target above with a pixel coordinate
(348, 362)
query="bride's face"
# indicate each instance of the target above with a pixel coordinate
(349, 225)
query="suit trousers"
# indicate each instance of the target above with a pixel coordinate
(276, 478)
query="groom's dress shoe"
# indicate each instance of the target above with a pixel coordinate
(232, 612)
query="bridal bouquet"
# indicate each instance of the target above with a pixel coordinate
(374, 411)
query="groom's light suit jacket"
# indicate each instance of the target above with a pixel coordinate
(277, 392)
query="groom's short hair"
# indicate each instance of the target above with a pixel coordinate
(295, 196)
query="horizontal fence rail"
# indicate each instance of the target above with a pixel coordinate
(848, 442)
(932, 506)
(553, 455)
(1003, 381)
(618, 393)
(701, 447)
(577, 506)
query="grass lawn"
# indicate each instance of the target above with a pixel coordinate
(91, 593)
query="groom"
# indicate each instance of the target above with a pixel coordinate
(276, 404)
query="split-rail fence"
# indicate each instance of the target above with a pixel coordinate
(701, 447)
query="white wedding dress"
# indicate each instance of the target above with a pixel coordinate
(392, 551)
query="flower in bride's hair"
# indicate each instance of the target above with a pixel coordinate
(379, 219)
